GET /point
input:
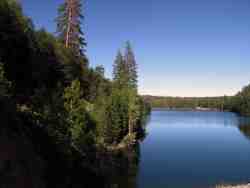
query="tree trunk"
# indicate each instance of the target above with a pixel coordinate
(69, 23)
(130, 126)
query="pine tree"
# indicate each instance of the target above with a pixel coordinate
(117, 66)
(69, 26)
(120, 71)
(100, 70)
(131, 66)
(76, 109)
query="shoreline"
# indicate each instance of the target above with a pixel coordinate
(189, 109)
(235, 186)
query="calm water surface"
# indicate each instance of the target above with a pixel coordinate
(194, 150)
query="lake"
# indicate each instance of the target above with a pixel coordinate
(187, 149)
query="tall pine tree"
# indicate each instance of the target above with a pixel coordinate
(120, 71)
(125, 82)
(131, 65)
(69, 26)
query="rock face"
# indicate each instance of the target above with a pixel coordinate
(20, 166)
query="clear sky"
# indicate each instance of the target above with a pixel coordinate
(183, 47)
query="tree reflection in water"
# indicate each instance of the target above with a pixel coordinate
(244, 127)
(119, 169)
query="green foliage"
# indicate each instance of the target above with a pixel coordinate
(64, 106)
(76, 107)
(125, 69)
(48, 66)
(5, 85)
(125, 108)
(120, 114)
(32, 59)
(120, 72)
(218, 103)
(8, 117)
(103, 128)
(97, 85)
(111, 115)
(48, 112)
(130, 62)
(69, 26)
(15, 45)
(241, 102)
(100, 70)
(133, 110)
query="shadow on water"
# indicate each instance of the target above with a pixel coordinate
(120, 169)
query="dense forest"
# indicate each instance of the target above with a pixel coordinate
(57, 109)
(240, 103)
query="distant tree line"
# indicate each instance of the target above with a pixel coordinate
(188, 102)
(48, 89)
(240, 103)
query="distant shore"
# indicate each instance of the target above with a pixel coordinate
(236, 186)
(190, 109)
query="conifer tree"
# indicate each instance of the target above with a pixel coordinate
(69, 26)
(100, 70)
(76, 109)
(117, 66)
(125, 80)
(120, 71)
(131, 65)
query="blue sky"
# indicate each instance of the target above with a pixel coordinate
(183, 47)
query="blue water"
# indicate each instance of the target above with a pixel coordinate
(194, 150)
